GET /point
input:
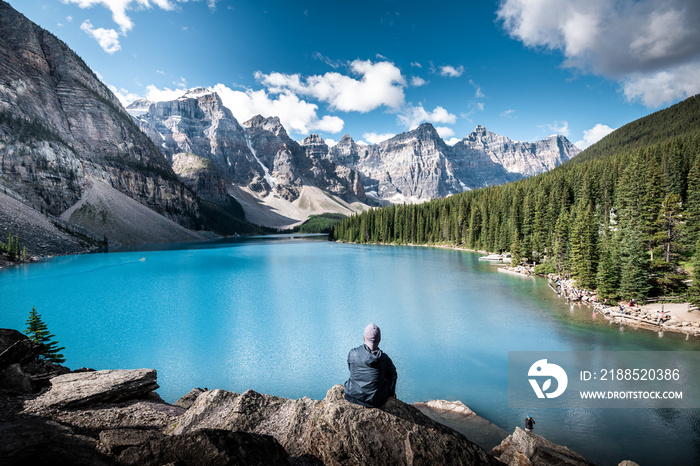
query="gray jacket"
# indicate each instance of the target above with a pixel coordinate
(372, 377)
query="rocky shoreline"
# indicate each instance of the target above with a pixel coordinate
(628, 314)
(51, 415)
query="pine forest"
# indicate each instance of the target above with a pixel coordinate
(622, 217)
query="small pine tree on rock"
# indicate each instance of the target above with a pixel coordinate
(38, 332)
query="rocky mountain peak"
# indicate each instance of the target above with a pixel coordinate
(480, 133)
(425, 131)
(139, 107)
(271, 124)
(197, 92)
(313, 140)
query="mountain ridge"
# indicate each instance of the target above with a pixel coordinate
(413, 166)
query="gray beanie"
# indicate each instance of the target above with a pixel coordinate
(372, 337)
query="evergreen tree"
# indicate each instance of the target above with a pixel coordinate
(695, 287)
(609, 269)
(516, 252)
(39, 333)
(584, 239)
(693, 203)
(669, 224)
(668, 277)
(561, 241)
(634, 280)
(651, 201)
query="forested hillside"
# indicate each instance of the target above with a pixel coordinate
(624, 219)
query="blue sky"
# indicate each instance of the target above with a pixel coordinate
(522, 68)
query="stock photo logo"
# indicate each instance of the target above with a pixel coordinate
(542, 370)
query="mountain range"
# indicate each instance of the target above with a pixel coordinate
(77, 169)
(268, 172)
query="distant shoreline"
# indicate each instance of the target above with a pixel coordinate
(676, 324)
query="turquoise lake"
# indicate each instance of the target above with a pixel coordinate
(279, 315)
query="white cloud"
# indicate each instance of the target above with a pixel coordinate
(477, 93)
(162, 95)
(557, 128)
(416, 64)
(69, 18)
(107, 38)
(508, 113)
(379, 84)
(417, 81)
(655, 89)
(124, 96)
(444, 131)
(450, 71)
(374, 138)
(652, 47)
(296, 115)
(330, 142)
(473, 108)
(593, 135)
(120, 7)
(328, 124)
(212, 5)
(412, 116)
(335, 64)
(452, 141)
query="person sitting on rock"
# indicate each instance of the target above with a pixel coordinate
(372, 373)
(529, 423)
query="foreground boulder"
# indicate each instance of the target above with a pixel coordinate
(16, 348)
(85, 388)
(456, 415)
(208, 448)
(21, 370)
(523, 448)
(335, 431)
(31, 440)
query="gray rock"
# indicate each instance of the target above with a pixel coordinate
(85, 388)
(456, 415)
(41, 372)
(14, 380)
(208, 448)
(114, 441)
(134, 414)
(20, 369)
(187, 400)
(30, 440)
(627, 463)
(16, 348)
(523, 448)
(334, 430)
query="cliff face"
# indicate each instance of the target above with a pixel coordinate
(61, 130)
(256, 162)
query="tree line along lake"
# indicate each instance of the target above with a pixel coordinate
(279, 315)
